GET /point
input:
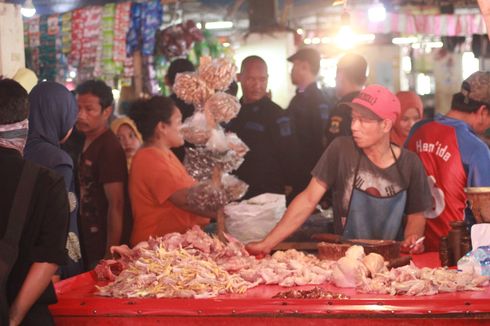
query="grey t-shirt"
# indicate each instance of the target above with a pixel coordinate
(337, 168)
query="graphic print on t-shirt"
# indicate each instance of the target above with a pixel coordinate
(371, 182)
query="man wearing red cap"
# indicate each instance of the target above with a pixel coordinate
(375, 184)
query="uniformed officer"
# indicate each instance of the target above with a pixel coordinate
(349, 81)
(309, 110)
(266, 130)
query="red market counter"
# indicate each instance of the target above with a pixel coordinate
(79, 306)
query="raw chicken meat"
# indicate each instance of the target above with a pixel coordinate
(197, 265)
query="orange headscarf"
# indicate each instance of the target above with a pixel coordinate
(407, 100)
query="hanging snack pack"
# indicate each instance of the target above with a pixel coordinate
(223, 107)
(192, 89)
(216, 154)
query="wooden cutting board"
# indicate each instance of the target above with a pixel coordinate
(297, 246)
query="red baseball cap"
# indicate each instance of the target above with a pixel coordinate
(378, 100)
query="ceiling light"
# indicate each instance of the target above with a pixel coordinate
(219, 25)
(345, 38)
(28, 10)
(404, 40)
(377, 12)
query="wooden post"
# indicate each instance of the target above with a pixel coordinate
(138, 74)
(220, 214)
(220, 221)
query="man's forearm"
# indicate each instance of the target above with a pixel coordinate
(415, 225)
(298, 211)
(114, 226)
(38, 278)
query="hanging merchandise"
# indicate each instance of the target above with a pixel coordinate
(77, 25)
(146, 18)
(91, 47)
(209, 46)
(218, 74)
(177, 40)
(107, 70)
(61, 60)
(66, 32)
(121, 27)
(34, 41)
(215, 153)
(47, 48)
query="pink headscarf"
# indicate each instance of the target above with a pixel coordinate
(14, 135)
(407, 100)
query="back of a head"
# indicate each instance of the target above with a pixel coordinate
(14, 103)
(354, 68)
(97, 88)
(475, 92)
(53, 111)
(178, 66)
(147, 113)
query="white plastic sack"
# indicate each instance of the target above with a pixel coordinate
(252, 219)
(480, 235)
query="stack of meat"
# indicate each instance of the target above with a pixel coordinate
(197, 265)
(369, 274)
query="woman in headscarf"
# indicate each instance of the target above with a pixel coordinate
(128, 135)
(52, 114)
(412, 111)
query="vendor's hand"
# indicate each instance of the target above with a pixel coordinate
(122, 250)
(409, 245)
(257, 249)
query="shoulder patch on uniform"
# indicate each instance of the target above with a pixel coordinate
(324, 111)
(254, 126)
(284, 124)
(335, 122)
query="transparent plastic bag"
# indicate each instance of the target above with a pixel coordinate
(195, 129)
(192, 89)
(252, 219)
(218, 74)
(207, 196)
(222, 106)
(201, 161)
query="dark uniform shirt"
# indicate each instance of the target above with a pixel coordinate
(44, 235)
(266, 130)
(340, 119)
(309, 111)
(187, 110)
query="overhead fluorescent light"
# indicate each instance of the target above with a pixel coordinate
(377, 12)
(219, 25)
(28, 10)
(404, 40)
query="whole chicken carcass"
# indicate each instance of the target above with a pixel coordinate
(375, 263)
(349, 272)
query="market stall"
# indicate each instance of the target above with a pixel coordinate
(78, 305)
